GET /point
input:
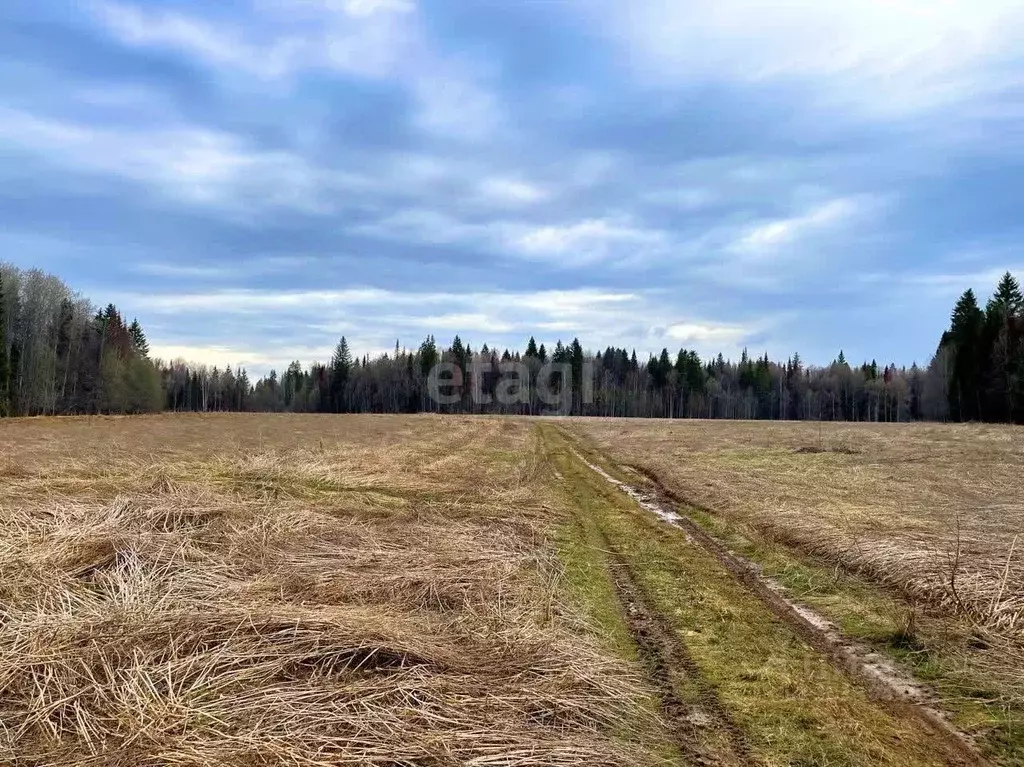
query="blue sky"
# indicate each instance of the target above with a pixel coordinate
(255, 178)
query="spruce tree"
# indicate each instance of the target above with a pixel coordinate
(428, 356)
(341, 367)
(139, 342)
(965, 338)
(1003, 351)
(531, 347)
(5, 366)
(1008, 299)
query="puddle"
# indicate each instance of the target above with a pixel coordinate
(646, 501)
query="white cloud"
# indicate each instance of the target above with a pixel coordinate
(191, 164)
(511, 191)
(587, 241)
(361, 8)
(480, 322)
(168, 29)
(892, 55)
(370, 38)
(769, 236)
(373, 318)
(453, 104)
(422, 225)
(703, 333)
(617, 242)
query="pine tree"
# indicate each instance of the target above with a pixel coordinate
(531, 347)
(1003, 351)
(341, 367)
(575, 353)
(5, 365)
(965, 339)
(1008, 299)
(428, 356)
(139, 342)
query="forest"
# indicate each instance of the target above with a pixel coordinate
(59, 354)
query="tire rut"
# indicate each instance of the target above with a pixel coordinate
(668, 658)
(955, 747)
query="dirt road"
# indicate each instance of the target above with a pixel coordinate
(743, 675)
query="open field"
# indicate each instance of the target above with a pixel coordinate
(926, 519)
(293, 590)
(397, 590)
(900, 501)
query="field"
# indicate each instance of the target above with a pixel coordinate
(922, 523)
(432, 590)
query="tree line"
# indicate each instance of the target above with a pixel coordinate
(977, 373)
(59, 355)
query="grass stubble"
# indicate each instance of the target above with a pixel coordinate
(246, 590)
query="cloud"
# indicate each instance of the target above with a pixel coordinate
(699, 165)
(700, 333)
(363, 8)
(893, 55)
(373, 318)
(368, 38)
(587, 241)
(375, 39)
(452, 104)
(769, 236)
(169, 29)
(190, 164)
(510, 191)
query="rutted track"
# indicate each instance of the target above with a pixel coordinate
(666, 658)
(900, 692)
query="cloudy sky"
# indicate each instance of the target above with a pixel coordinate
(255, 178)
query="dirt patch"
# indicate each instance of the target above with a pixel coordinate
(813, 450)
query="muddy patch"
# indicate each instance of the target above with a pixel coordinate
(646, 501)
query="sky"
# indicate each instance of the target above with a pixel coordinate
(253, 179)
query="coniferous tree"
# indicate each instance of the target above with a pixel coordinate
(964, 339)
(139, 342)
(5, 366)
(341, 368)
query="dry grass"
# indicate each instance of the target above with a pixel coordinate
(932, 515)
(242, 590)
(937, 510)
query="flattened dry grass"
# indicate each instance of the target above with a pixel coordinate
(245, 590)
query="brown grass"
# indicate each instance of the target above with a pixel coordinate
(928, 515)
(936, 510)
(242, 590)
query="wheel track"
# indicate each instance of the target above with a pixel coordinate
(667, 659)
(666, 656)
(956, 748)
